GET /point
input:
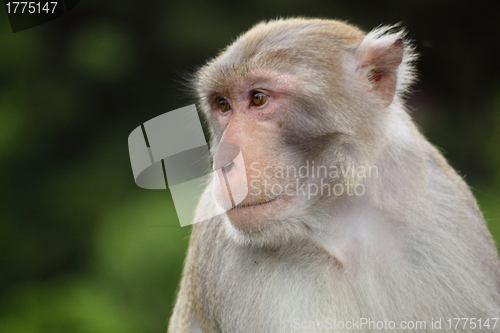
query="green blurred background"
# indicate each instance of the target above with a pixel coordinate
(85, 250)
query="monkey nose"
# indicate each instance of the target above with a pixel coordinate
(225, 154)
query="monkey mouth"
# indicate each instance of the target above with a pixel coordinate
(254, 204)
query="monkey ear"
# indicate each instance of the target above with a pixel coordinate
(378, 59)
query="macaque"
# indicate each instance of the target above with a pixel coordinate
(353, 221)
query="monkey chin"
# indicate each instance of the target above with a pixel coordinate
(268, 223)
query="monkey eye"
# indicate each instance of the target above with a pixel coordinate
(259, 98)
(224, 105)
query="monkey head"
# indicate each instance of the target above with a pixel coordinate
(300, 99)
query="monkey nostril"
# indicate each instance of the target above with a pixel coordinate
(225, 154)
(228, 167)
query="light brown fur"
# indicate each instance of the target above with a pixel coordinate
(413, 247)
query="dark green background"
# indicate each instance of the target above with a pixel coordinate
(82, 249)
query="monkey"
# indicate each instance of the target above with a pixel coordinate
(353, 221)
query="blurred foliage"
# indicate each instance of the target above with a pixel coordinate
(85, 250)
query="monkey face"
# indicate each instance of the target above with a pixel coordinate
(314, 99)
(250, 115)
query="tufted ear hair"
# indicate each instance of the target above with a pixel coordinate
(386, 62)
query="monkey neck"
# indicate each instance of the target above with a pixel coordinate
(358, 229)
(357, 232)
